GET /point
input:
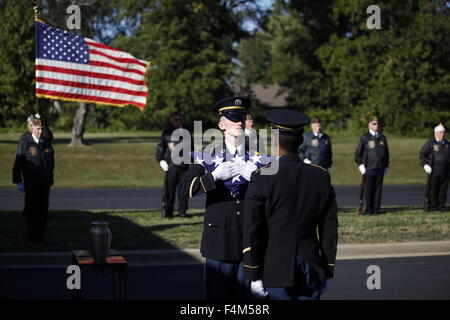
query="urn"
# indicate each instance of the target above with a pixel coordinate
(100, 239)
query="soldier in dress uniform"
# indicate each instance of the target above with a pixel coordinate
(174, 173)
(284, 255)
(221, 243)
(435, 159)
(372, 157)
(33, 174)
(316, 146)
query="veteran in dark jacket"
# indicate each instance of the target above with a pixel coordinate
(174, 173)
(33, 174)
(221, 243)
(372, 157)
(435, 159)
(316, 146)
(290, 224)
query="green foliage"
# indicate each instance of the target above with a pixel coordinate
(16, 62)
(320, 50)
(190, 44)
(336, 67)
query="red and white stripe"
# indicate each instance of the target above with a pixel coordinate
(112, 77)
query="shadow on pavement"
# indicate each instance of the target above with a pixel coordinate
(69, 230)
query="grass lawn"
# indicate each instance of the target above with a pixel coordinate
(127, 160)
(143, 229)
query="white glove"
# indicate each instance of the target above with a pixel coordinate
(164, 165)
(362, 168)
(386, 170)
(247, 169)
(329, 170)
(258, 290)
(427, 169)
(225, 171)
(307, 161)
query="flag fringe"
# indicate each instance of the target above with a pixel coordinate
(40, 95)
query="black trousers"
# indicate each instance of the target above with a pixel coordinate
(35, 212)
(438, 190)
(374, 185)
(171, 181)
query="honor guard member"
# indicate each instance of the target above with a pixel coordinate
(316, 146)
(173, 173)
(435, 159)
(290, 227)
(372, 157)
(33, 174)
(221, 243)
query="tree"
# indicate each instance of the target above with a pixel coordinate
(401, 72)
(17, 99)
(190, 44)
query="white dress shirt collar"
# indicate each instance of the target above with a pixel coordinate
(318, 134)
(34, 138)
(232, 149)
(375, 134)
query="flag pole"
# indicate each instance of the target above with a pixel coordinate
(36, 18)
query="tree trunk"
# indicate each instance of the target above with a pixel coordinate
(78, 126)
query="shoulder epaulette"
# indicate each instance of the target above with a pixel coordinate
(266, 166)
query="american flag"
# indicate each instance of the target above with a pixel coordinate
(70, 67)
(238, 184)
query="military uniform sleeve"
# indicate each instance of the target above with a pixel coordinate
(161, 148)
(302, 149)
(196, 181)
(331, 151)
(255, 230)
(359, 152)
(328, 231)
(424, 154)
(18, 162)
(387, 152)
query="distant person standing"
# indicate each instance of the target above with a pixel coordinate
(316, 147)
(252, 135)
(33, 174)
(173, 173)
(372, 157)
(435, 159)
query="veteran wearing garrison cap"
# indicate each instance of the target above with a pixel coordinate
(224, 184)
(33, 174)
(284, 256)
(316, 146)
(372, 157)
(434, 157)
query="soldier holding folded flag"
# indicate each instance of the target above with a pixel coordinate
(222, 172)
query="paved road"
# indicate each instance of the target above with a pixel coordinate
(411, 278)
(64, 199)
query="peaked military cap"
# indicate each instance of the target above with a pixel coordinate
(233, 108)
(287, 120)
